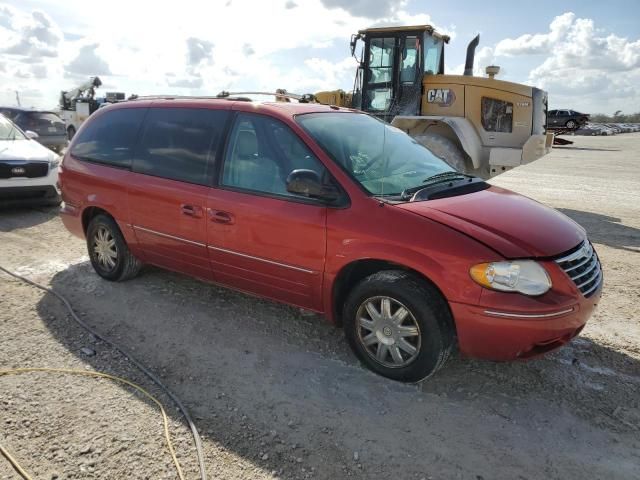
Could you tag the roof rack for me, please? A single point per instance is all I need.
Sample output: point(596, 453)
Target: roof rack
point(224, 95)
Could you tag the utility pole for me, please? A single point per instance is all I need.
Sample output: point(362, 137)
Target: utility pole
point(18, 98)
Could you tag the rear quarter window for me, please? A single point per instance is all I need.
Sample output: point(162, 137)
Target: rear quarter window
point(109, 138)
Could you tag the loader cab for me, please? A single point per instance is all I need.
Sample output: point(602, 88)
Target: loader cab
point(393, 62)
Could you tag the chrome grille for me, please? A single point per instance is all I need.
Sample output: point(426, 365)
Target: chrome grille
point(583, 267)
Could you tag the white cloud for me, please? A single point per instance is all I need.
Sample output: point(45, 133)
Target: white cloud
point(29, 38)
point(227, 45)
point(88, 62)
point(582, 67)
point(539, 43)
point(198, 51)
point(367, 8)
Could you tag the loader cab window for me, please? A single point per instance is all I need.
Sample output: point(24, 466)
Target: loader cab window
point(409, 66)
point(433, 48)
point(380, 74)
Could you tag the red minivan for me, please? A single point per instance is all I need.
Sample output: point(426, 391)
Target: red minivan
point(334, 211)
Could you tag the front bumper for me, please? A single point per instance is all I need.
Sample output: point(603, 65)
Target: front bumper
point(495, 333)
point(33, 195)
point(19, 191)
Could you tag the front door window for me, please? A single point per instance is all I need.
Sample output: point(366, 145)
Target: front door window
point(262, 152)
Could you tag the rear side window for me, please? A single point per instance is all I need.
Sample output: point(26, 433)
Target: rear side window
point(180, 143)
point(110, 138)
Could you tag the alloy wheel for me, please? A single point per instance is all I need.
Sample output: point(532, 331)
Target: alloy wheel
point(104, 248)
point(388, 331)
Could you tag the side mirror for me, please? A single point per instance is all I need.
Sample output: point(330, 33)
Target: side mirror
point(308, 183)
point(31, 135)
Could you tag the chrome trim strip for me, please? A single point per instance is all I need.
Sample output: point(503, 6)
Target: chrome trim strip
point(595, 277)
point(593, 287)
point(586, 260)
point(577, 254)
point(304, 270)
point(165, 235)
point(532, 315)
point(593, 265)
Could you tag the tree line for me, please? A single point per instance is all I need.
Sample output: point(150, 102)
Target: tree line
point(617, 117)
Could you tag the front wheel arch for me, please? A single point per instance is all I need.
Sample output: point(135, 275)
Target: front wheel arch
point(352, 273)
point(430, 324)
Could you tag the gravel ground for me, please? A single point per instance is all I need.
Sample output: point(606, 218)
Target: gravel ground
point(275, 391)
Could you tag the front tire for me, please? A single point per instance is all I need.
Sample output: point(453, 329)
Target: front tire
point(399, 326)
point(108, 251)
point(571, 124)
point(71, 131)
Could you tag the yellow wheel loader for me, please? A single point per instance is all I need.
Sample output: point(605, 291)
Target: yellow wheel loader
point(479, 125)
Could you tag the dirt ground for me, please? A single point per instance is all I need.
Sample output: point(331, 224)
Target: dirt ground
point(276, 392)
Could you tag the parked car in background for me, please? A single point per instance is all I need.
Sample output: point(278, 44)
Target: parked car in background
point(566, 119)
point(28, 170)
point(615, 127)
point(588, 130)
point(334, 211)
point(47, 124)
point(605, 129)
point(626, 128)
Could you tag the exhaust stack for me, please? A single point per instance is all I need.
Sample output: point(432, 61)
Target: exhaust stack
point(471, 53)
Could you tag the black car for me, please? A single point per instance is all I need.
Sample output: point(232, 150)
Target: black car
point(48, 125)
point(566, 119)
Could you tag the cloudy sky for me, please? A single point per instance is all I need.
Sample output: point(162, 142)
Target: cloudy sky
point(586, 54)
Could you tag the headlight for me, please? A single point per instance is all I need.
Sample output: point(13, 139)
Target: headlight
point(54, 162)
point(523, 276)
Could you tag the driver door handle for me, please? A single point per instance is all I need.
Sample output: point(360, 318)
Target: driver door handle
point(191, 210)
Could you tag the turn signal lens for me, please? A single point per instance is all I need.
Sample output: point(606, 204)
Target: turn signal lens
point(524, 276)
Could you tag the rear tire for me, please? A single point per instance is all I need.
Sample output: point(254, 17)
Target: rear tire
point(408, 345)
point(444, 148)
point(108, 251)
point(571, 124)
point(71, 131)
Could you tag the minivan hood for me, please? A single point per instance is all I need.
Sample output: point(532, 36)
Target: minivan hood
point(513, 225)
point(24, 150)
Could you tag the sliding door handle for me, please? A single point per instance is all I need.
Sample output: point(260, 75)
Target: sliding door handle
point(219, 216)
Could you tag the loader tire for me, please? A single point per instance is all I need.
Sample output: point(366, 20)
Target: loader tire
point(445, 149)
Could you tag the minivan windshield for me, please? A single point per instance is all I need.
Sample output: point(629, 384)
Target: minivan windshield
point(8, 130)
point(383, 159)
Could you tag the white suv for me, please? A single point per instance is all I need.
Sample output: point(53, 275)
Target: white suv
point(28, 171)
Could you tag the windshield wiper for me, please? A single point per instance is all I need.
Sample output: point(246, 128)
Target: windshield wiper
point(443, 177)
